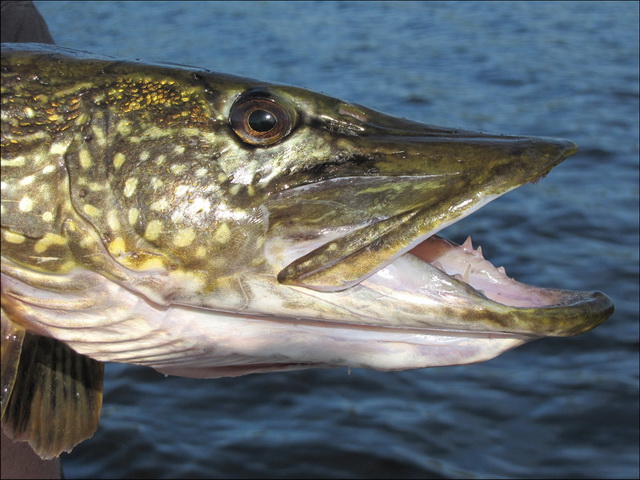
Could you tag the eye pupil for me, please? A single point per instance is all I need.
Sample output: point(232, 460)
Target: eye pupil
point(262, 121)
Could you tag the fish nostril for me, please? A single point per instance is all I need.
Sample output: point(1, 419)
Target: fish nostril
point(350, 110)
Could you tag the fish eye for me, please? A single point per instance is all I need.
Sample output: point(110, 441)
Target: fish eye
point(260, 121)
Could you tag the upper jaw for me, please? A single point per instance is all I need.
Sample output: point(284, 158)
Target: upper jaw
point(400, 183)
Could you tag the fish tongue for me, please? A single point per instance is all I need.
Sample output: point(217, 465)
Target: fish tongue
point(433, 248)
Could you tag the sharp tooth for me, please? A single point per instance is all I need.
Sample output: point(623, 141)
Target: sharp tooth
point(502, 271)
point(467, 274)
point(478, 252)
point(467, 246)
point(438, 265)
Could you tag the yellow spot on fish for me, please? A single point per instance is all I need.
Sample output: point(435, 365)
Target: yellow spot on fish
point(91, 210)
point(144, 156)
point(47, 216)
point(13, 162)
point(124, 128)
point(151, 263)
point(201, 172)
point(201, 252)
point(25, 205)
point(181, 190)
point(48, 169)
point(153, 230)
point(156, 182)
point(160, 160)
point(179, 149)
point(49, 240)
point(156, 132)
point(58, 148)
point(159, 205)
point(27, 180)
point(85, 158)
point(66, 266)
point(184, 237)
point(98, 135)
point(133, 215)
point(117, 247)
point(223, 234)
point(198, 205)
point(177, 169)
point(82, 119)
point(118, 160)
point(97, 187)
point(130, 187)
point(112, 220)
point(13, 237)
point(88, 241)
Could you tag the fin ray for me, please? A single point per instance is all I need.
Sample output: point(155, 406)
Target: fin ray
point(55, 396)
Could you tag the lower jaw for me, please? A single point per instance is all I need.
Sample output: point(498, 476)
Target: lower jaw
point(293, 347)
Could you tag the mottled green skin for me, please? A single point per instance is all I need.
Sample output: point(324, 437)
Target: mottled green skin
point(144, 220)
point(103, 142)
point(134, 171)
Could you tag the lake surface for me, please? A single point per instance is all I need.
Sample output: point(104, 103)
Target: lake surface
point(553, 408)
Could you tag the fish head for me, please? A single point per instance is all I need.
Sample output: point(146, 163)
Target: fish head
point(208, 225)
point(268, 227)
point(326, 210)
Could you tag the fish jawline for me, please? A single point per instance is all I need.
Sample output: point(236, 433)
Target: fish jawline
point(466, 264)
point(202, 343)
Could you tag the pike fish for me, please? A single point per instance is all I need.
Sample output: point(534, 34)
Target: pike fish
point(209, 225)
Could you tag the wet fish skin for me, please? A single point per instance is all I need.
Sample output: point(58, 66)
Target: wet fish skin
point(137, 173)
point(208, 225)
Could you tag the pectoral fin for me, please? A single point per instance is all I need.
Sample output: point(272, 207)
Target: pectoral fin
point(12, 338)
point(51, 395)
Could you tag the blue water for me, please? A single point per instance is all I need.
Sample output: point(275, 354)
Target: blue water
point(553, 408)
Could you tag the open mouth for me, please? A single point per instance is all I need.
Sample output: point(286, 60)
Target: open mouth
point(440, 272)
point(466, 264)
point(425, 273)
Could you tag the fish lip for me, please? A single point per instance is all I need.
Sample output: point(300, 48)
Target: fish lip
point(547, 312)
point(507, 305)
